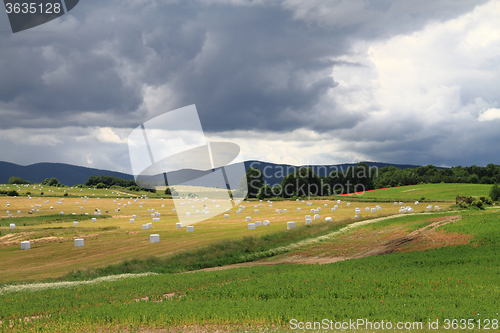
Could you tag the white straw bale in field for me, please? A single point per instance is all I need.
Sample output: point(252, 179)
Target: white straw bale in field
point(251, 226)
point(207, 212)
point(94, 219)
point(374, 210)
point(326, 205)
point(338, 202)
point(188, 214)
point(132, 220)
point(75, 223)
point(154, 238)
point(156, 219)
point(395, 203)
point(256, 211)
point(333, 209)
point(328, 219)
point(79, 242)
point(367, 209)
point(249, 218)
point(258, 223)
point(284, 210)
point(226, 216)
point(348, 204)
point(190, 228)
point(150, 225)
point(178, 225)
point(316, 216)
point(266, 223)
point(290, 225)
point(26, 245)
point(401, 203)
point(13, 226)
point(278, 210)
point(416, 202)
point(62, 213)
point(298, 209)
point(309, 221)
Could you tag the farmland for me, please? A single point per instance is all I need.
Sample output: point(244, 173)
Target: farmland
point(430, 192)
point(430, 281)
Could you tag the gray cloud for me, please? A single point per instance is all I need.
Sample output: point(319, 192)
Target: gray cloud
point(247, 65)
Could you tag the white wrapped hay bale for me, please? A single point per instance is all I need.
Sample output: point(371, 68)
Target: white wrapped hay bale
point(238, 211)
point(251, 226)
point(416, 202)
point(226, 216)
point(134, 216)
point(336, 206)
point(188, 214)
point(190, 228)
point(154, 238)
point(258, 223)
point(290, 225)
point(325, 205)
point(285, 210)
point(333, 209)
point(156, 219)
point(132, 220)
point(178, 225)
point(270, 206)
point(374, 210)
point(207, 212)
point(94, 219)
point(328, 219)
point(367, 209)
point(338, 202)
point(309, 221)
point(437, 208)
point(429, 207)
point(278, 210)
point(79, 242)
point(150, 225)
point(75, 223)
point(265, 223)
point(158, 214)
point(256, 211)
point(348, 204)
point(13, 226)
point(26, 245)
point(62, 213)
point(401, 203)
point(249, 218)
point(153, 215)
point(316, 216)
point(228, 210)
point(298, 209)
point(395, 203)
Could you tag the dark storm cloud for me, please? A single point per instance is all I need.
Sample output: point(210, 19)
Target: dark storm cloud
point(260, 66)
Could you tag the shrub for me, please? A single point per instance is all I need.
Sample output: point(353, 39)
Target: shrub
point(495, 192)
point(18, 180)
point(477, 203)
point(65, 194)
point(12, 193)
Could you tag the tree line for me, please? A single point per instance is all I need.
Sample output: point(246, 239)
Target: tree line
point(305, 182)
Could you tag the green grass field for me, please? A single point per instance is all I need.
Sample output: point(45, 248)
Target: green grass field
point(429, 283)
point(430, 192)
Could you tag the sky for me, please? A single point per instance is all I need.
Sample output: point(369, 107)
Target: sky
point(289, 81)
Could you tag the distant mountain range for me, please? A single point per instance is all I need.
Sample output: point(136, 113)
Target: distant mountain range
point(71, 174)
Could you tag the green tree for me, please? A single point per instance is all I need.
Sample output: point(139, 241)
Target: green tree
point(495, 192)
point(54, 182)
point(250, 183)
point(18, 180)
point(265, 192)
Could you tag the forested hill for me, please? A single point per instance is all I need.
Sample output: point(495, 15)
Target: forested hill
point(71, 174)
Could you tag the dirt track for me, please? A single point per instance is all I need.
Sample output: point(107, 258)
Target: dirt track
point(422, 238)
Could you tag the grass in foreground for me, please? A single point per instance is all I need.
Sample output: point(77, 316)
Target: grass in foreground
point(460, 282)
